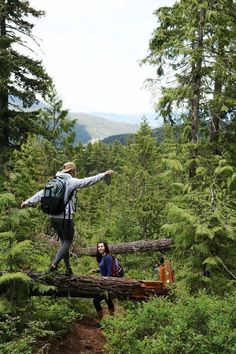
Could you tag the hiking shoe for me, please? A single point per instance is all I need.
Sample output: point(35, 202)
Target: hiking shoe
point(52, 268)
point(69, 272)
point(100, 325)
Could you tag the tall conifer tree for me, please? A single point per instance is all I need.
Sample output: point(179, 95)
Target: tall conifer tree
point(21, 77)
point(197, 41)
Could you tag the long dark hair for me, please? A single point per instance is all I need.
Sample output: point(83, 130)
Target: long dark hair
point(98, 255)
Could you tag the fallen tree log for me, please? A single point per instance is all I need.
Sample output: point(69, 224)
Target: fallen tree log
point(128, 247)
point(89, 286)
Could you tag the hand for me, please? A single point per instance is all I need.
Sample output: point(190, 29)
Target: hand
point(108, 173)
point(23, 205)
point(107, 176)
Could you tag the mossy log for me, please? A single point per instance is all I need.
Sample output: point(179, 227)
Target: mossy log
point(90, 286)
point(128, 247)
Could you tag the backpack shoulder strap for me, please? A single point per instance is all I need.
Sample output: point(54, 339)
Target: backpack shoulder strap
point(106, 261)
point(64, 179)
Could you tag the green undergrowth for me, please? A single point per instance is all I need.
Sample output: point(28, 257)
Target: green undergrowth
point(24, 323)
point(200, 324)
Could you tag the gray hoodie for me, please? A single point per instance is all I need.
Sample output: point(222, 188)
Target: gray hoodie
point(72, 184)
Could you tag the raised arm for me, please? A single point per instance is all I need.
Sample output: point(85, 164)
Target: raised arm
point(88, 181)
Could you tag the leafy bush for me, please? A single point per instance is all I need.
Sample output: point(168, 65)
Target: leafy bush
point(57, 313)
point(15, 339)
point(202, 324)
point(23, 325)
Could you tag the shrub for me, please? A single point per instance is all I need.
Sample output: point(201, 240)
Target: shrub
point(201, 324)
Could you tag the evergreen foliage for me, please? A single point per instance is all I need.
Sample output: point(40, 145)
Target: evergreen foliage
point(203, 324)
point(122, 138)
point(57, 127)
point(197, 41)
point(151, 194)
point(21, 76)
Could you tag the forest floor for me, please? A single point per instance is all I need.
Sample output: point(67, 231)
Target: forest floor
point(84, 338)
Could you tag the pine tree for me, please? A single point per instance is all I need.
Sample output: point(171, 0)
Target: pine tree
point(139, 206)
point(57, 127)
point(21, 76)
point(194, 43)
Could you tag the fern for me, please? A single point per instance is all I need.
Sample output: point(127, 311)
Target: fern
point(5, 306)
point(200, 170)
point(43, 289)
point(174, 164)
point(170, 229)
point(179, 214)
point(8, 278)
point(177, 187)
point(19, 248)
point(231, 183)
point(201, 248)
point(230, 232)
point(211, 261)
point(18, 216)
point(7, 235)
point(224, 171)
point(6, 199)
point(15, 285)
point(203, 229)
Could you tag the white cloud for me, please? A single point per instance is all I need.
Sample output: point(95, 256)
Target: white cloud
point(92, 49)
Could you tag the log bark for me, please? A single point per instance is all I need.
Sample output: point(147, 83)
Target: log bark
point(128, 247)
point(90, 286)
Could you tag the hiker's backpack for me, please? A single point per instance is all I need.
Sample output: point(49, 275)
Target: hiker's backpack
point(117, 269)
point(52, 201)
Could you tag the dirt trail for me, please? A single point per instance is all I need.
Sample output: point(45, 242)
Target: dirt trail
point(84, 338)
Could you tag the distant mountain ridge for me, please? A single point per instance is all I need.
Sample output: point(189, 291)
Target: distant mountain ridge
point(96, 126)
point(124, 139)
point(91, 128)
point(153, 118)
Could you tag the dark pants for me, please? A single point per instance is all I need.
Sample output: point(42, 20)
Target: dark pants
point(97, 302)
point(65, 231)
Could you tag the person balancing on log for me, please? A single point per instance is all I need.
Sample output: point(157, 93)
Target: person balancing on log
point(58, 199)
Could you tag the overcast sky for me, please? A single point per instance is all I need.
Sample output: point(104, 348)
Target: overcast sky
point(92, 49)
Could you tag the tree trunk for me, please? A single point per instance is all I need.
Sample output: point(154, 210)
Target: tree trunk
point(88, 287)
point(196, 90)
point(216, 114)
point(4, 76)
point(130, 247)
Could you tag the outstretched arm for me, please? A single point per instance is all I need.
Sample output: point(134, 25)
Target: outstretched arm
point(88, 181)
point(33, 200)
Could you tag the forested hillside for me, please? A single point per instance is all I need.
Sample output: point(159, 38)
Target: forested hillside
point(181, 186)
point(89, 128)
